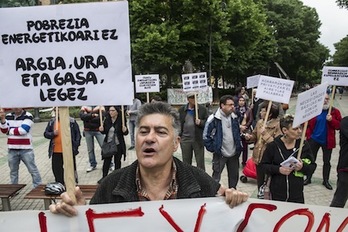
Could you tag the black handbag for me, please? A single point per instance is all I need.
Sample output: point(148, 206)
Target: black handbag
point(109, 148)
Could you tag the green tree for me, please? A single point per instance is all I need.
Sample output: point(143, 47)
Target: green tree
point(296, 30)
point(252, 45)
point(165, 34)
point(340, 58)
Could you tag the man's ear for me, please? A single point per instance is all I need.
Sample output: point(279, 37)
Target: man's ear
point(176, 143)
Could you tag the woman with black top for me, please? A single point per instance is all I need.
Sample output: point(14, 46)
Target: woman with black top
point(287, 180)
point(113, 124)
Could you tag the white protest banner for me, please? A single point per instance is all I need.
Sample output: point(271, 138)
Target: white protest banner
point(309, 104)
point(65, 55)
point(194, 81)
point(199, 215)
point(335, 75)
point(274, 89)
point(147, 83)
point(253, 81)
point(178, 96)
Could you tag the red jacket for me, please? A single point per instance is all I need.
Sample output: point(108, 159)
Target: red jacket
point(333, 125)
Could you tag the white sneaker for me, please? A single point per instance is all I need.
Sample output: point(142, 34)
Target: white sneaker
point(89, 169)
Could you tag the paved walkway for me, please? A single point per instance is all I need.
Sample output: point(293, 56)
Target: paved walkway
point(315, 193)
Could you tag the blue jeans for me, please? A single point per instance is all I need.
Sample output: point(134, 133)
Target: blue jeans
point(89, 135)
point(15, 156)
point(132, 124)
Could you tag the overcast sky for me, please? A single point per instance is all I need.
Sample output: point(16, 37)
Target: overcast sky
point(334, 21)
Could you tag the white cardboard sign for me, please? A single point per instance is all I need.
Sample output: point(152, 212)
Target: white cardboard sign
point(194, 81)
point(147, 83)
point(274, 89)
point(335, 75)
point(253, 81)
point(65, 55)
point(309, 104)
point(199, 215)
point(178, 96)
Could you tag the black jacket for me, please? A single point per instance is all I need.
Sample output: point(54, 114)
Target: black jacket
point(342, 165)
point(75, 136)
point(120, 186)
point(121, 147)
point(286, 188)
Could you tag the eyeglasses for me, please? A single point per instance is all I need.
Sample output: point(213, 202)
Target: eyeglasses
point(231, 104)
point(112, 110)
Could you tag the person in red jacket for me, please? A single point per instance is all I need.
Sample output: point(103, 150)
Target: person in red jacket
point(321, 134)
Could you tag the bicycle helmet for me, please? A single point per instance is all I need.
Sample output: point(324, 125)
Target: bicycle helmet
point(54, 188)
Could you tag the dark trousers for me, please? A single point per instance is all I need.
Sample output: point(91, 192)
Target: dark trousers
point(244, 151)
point(187, 149)
point(107, 163)
point(58, 168)
point(341, 194)
point(232, 164)
point(326, 158)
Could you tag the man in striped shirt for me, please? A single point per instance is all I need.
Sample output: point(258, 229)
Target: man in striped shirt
point(16, 126)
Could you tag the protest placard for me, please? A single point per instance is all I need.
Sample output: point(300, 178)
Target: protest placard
point(335, 75)
point(274, 89)
point(199, 215)
point(147, 83)
point(309, 104)
point(194, 81)
point(253, 81)
point(65, 55)
point(178, 96)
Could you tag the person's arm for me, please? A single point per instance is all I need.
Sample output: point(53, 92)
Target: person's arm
point(334, 119)
point(49, 131)
point(203, 116)
point(208, 137)
point(3, 125)
point(232, 196)
point(66, 204)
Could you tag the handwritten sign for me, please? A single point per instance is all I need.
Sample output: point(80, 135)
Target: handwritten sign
point(253, 81)
point(200, 215)
point(147, 83)
point(335, 75)
point(309, 104)
point(65, 55)
point(194, 81)
point(178, 96)
point(274, 89)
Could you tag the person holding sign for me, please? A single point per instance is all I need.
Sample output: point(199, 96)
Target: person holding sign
point(321, 134)
point(113, 129)
point(132, 112)
point(91, 122)
point(156, 174)
point(55, 149)
point(262, 136)
point(16, 126)
point(279, 161)
point(191, 132)
point(341, 194)
point(221, 136)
